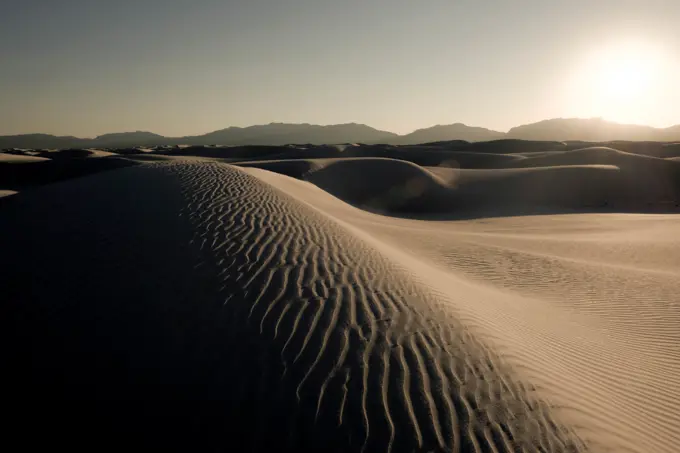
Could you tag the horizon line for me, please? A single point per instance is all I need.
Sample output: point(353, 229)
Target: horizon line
point(352, 123)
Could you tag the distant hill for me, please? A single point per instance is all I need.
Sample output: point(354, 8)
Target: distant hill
point(559, 129)
point(283, 134)
point(128, 139)
point(36, 141)
point(124, 139)
point(591, 130)
point(269, 134)
point(457, 131)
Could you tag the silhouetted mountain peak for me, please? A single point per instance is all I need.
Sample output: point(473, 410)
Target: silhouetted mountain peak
point(590, 129)
point(278, 133)
point(445, 132)
point(136, 134)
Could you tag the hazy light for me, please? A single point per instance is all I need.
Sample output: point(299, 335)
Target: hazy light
point(621, 81)
point(626, 73)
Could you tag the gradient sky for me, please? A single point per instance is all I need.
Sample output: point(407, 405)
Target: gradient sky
point(179, 67)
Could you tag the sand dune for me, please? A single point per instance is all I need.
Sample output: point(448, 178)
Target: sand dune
point(75, 153)
point(652, 149)
point(295, 168)
point(467, 155)
point(583, 305)
point(19, 158)
point(300, 329)
point(18, 172)
point(304, 304)
point(671, 150)
point(591, 155)
point(397, 187)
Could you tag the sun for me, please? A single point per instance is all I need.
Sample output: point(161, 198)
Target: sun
point(619, 81)
point(623, 76)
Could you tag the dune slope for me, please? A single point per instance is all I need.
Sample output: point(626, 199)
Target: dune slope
point(583, 306)
point(193, 305)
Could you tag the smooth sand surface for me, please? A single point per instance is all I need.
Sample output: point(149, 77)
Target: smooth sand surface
point(7, 193)
point(398, 187)
point(332, 305)
point(6, 158)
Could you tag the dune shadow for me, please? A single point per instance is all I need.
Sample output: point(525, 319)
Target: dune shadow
point(19, 176)
point(402, 189)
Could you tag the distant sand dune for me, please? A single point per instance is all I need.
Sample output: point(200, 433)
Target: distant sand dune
point(464, 154)
point(593, 155)
point(295, 168)
point(398, 187)
point(671, 150)
point(653, 149)
point(58, 154)
point(6, 158)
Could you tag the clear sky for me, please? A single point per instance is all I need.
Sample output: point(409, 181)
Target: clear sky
point(179, 67)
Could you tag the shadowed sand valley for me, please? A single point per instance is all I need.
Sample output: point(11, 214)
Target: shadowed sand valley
point(504, 296)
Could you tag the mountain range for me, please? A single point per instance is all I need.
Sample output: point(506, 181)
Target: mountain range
point(558, 129)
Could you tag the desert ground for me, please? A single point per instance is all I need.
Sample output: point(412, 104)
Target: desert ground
point(505, 296)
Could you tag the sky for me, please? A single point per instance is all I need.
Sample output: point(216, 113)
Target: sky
point(182, 67)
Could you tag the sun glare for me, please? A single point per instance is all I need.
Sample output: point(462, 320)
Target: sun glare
point(620, 82)
point(623, 76)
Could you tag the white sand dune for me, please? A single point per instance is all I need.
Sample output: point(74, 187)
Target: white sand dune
point(398, 187)
point(670, 150)
point(193, 305)
point(6, 158)
point(7, 193)
point(590, 155)
point(585, 306)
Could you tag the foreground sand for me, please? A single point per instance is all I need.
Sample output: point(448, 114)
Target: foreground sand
point(193, 305)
